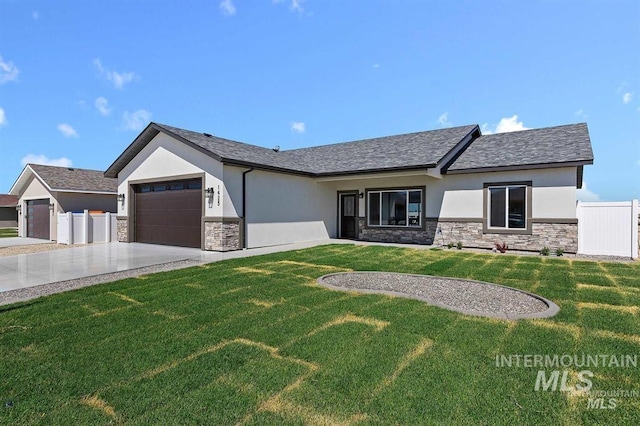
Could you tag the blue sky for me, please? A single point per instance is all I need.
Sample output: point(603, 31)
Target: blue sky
point(80, 79)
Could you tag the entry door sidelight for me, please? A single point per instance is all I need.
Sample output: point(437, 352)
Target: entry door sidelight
point(348, 217)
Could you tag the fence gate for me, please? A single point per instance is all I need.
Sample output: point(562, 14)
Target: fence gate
point(85, 228)
point(608, 228)
point(63, 229)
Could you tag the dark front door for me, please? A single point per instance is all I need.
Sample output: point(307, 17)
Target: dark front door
point(348, 216)
point(169, 213)
point(38, 219)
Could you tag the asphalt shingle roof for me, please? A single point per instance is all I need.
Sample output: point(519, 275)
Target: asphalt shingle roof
point(413, 150)
point(73, 179)
point(225, 149)
point(550, 145)
point(8, 200)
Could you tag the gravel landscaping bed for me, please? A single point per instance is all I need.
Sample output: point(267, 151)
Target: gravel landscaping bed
point(466, 296)
point(33, 248)
point(28, 293)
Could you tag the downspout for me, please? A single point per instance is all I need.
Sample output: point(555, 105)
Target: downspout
point(244, 207)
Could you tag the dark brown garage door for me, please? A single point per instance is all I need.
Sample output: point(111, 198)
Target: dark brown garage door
point(169, 213)
point(38, 219)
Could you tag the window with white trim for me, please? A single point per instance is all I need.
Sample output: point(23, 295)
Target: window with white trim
point(508, 207)
point(397, 207)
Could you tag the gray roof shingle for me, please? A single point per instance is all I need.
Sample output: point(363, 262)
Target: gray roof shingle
point(412, 150)
point(225, 149)
point(407, 151)
point(553, 145)
point(548, 146)
point(7, 200)
point(74, 179)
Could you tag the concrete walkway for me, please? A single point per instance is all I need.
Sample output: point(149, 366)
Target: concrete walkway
point(28, 270)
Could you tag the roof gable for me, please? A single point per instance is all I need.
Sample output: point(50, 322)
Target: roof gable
point(454, 150)
point(66, 179)
point(407, 151)
point(546, 147)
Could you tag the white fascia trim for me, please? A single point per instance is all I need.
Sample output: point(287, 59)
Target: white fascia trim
point(20, 181)
point(74, 191)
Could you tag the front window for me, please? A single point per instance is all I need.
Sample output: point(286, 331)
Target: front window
point(400, 207)
point(507, 207)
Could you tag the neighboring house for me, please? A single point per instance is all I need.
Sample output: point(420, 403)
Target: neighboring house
point(185, 188)
point(8, 212)
point(44, 191)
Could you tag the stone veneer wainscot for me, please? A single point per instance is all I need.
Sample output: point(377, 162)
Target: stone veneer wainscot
point(222, 235)
point(550, 234)
point(122, 224)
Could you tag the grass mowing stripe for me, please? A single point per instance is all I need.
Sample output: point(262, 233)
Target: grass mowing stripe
point(377, 359)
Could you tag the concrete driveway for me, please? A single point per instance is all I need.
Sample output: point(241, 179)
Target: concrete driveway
point(21, 241)
point(28, 270)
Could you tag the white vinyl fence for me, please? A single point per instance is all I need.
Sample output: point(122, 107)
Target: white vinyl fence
point(85, 228)
point(608, 228)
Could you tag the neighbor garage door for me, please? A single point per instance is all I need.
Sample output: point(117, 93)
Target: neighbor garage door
point(169, 213)
point(38, 219)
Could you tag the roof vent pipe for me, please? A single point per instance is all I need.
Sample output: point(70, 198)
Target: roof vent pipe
point(276, 148)
point(207, 134)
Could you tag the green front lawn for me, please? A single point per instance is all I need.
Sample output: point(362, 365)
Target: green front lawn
point(256, 341)
point(8, 232)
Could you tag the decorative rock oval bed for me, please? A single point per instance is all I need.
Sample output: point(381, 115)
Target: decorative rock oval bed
point(460, 295)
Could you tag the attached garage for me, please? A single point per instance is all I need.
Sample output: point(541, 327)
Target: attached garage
point(169, 213)
point(38, 219)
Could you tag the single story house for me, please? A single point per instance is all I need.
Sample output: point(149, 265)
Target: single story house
point(44, 191)
point(8, 212)
point(186, 188)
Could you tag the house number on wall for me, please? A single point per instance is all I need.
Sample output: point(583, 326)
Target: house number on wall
point(218, 195)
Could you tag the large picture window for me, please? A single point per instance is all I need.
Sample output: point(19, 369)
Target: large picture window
point(398, 207)
point(508, 207)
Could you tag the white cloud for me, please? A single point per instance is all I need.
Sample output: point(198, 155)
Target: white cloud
point(227, 7)
point(3, 118)
point(67, 131)
point(102, 105)
point(584, 194)
point(296, 5)
point(627, 97)
point(135, 120)
point(506, 124)
point(510, 124)
point(118, 79)
point(98, 64)
point(580, 114)
point(443, 120)
point(43, 159)
point(8, 71)
point(298, 127)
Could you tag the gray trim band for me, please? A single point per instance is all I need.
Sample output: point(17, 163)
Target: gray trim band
point(568, 221)
point(221, 219)
point(456, 219)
